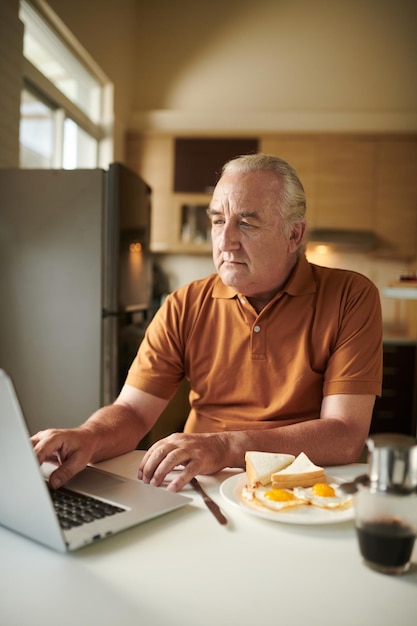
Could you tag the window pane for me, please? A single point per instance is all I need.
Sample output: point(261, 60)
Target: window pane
point(36, 134)
point(53, 59)
point(80, 149)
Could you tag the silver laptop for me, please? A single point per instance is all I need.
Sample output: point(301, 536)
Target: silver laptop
point(105, 503)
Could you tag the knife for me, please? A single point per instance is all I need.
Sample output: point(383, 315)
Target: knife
point(210, 504)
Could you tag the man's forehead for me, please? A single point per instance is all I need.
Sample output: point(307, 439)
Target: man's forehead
point(244, 185)
point(242, 203)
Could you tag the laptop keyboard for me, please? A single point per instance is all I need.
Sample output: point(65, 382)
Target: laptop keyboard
point(74, 509)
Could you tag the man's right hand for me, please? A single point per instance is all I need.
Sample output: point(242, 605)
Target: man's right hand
point(70, 449)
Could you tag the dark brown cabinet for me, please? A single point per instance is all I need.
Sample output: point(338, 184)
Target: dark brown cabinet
point(395, 410)
point(198, 161)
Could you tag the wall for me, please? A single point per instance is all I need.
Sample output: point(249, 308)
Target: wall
point(270, 64)
point(11, 42)
point(278, 64)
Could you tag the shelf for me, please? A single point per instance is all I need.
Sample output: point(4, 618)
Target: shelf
point(401, 293)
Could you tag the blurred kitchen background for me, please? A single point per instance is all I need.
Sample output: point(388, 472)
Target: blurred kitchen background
point(172, 89)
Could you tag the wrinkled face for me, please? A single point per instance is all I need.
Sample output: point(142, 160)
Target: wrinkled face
point(251, 251)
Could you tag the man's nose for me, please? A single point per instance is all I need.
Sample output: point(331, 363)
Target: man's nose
point(229, 238)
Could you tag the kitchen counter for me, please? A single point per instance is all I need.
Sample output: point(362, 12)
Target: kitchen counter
point(402, 340)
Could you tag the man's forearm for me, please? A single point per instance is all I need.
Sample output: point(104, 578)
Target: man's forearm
point(325, 441)
point(116, 429)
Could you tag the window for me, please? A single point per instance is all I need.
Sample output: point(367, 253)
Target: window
point(36, 132)
point(66, 102)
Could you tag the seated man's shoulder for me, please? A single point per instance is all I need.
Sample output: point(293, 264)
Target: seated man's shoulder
point(339, 276)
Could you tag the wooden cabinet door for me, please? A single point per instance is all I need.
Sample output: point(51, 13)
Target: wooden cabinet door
point(301, 153)
point(198, 160)
point(345, 183)
point(396, 197)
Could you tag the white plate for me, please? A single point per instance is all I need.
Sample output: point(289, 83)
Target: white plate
point(231, 490)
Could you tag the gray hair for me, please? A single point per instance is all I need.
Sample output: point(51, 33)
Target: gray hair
point(292, 200)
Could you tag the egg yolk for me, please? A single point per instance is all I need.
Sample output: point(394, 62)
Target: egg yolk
point(279, 495)
point(323, 490)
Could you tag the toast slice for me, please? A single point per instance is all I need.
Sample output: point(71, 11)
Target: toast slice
point(261, 465)
point(301, 473)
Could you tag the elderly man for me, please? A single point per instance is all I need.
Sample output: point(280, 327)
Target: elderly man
point(281, 355)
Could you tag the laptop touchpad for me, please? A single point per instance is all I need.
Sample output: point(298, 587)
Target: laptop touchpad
point(94, 481)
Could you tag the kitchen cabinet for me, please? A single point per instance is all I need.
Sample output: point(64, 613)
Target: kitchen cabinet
point(396, 197)
point(301, 153)
point(345, 184)
point(154, 156)
point(337, 173)
point(197, 165)
point(195, 227)
point(395, 411)
point(359, 182)
point(199, 160)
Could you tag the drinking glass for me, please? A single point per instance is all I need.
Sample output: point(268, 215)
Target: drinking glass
point(386, 526)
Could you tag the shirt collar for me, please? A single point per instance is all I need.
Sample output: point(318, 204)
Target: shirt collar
point(299, 283)
point(301, 280)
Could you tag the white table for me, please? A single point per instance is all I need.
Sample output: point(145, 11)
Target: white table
point(185, 569)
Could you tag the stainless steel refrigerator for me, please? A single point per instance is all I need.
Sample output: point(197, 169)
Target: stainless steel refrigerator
point(75, 286)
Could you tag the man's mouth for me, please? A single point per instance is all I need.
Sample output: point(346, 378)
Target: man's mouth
point(232, 262)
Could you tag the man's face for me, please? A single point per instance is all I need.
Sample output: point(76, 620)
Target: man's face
point(251, 251)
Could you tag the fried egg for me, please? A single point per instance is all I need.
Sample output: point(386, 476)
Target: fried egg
point(324, 495)
point(277, 499)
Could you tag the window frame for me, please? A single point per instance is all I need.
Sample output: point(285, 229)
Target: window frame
point(42, 87)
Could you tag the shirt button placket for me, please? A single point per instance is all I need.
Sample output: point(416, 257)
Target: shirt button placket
point(258, 342)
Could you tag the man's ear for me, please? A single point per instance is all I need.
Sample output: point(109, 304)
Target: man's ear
point(297, 232)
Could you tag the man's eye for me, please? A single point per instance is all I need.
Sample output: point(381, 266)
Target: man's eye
point(217, 221)
point(246, 224)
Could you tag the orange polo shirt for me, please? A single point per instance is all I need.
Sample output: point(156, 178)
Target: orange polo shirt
point(320, 335)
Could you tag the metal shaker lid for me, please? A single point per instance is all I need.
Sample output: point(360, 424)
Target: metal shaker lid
point(392, 463)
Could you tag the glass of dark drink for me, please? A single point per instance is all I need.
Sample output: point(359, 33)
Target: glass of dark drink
point(386, 526)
